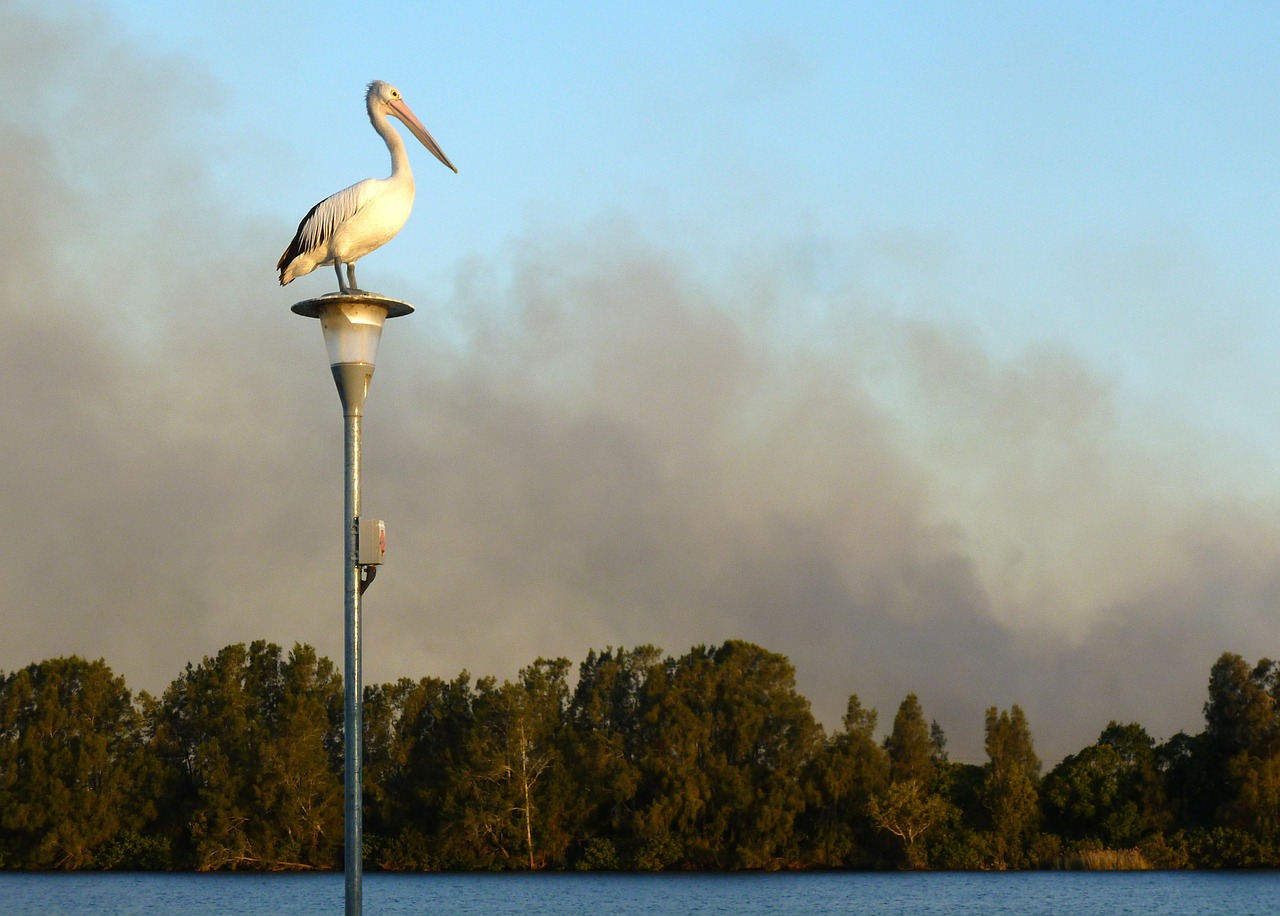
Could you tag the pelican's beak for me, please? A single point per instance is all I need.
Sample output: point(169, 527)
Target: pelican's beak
point(401, 111)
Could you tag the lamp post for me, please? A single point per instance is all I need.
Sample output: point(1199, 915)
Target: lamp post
point(352, 325)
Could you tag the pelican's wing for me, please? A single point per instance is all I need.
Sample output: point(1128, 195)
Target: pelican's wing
point(323, 220)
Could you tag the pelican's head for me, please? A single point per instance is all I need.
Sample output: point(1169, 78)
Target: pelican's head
point(385, 99)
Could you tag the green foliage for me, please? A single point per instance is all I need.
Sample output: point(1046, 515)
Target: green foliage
point(1189, 773)
point(707, 760)
point(910, 745)
point(1229, 847)
point(1240, 712)
point(906, 808)
point(839, 781)
point(956, 841)
point(1110, 792)
point(727, 740)
point(132, 851)
point(515, 753)
point(1166, 851)
point(418, 774)
point(248, 739)
point(1009, 791)
point(658, 852)
point(599, 854)
point(915, 801)
point(73, 777)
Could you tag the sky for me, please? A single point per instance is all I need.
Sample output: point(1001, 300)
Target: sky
point(932, 346)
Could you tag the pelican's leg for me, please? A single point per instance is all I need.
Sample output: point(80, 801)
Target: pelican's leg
point(351, 278)
point(337, 269)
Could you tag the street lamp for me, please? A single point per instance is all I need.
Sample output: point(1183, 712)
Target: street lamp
point(352, 325)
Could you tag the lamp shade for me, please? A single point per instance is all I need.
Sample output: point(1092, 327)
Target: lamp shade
point(352, 325)
point(352, 330)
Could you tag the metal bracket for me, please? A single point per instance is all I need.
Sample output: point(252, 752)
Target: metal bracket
point(367, 572)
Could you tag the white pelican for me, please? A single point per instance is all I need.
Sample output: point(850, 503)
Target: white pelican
point(345, 227)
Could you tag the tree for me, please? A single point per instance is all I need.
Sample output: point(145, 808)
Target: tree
point(727, 738)
point(383, 716)
point(906, 808)
point(1240, 713)
point(300, 757)
point(767, 734)
point(515, 742)
point(911, 803)
point(840, 781)
point(1109, 793)
point(251, 741)
point(708, 760)
point(910, 745)
point(605, 746)
point(1242, 741)
point(418, 775)
point(956, 841)
point(1190, 780)
point(1009, 789)
point(73, 776)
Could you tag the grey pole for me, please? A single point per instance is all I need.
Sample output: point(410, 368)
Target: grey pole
point(352, 325)
point(353, 678)
point(353, 385)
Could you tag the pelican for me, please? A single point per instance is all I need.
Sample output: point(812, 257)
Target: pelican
point(348, 225)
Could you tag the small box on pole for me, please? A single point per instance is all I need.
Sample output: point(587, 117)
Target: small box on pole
point(373, 541)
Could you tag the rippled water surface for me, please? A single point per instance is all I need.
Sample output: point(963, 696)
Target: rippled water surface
point(651, 895)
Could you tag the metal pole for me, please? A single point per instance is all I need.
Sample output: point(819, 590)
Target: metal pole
point(353, 724)
point(352, 325)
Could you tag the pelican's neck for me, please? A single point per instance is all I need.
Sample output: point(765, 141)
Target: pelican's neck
point(399, 156)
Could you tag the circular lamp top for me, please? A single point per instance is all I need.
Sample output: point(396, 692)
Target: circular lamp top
point(311, 308)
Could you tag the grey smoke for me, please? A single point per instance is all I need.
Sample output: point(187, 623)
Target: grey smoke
point(580, 442)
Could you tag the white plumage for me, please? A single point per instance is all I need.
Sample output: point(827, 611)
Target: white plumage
point(348, 225)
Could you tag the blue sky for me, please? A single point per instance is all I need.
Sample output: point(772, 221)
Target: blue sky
point(880, 334)
point(1037, 149)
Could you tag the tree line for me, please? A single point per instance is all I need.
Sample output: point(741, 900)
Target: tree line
point(710, 760)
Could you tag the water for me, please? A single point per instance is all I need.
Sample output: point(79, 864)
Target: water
point(1147, 893)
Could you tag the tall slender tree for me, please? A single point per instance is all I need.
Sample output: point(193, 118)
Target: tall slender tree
point(1242, 746)
point(910, 745)
point(841, 779)
point(1010, 792)
point(911, 804)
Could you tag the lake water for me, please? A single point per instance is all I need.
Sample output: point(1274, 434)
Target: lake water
point(1146, 893)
